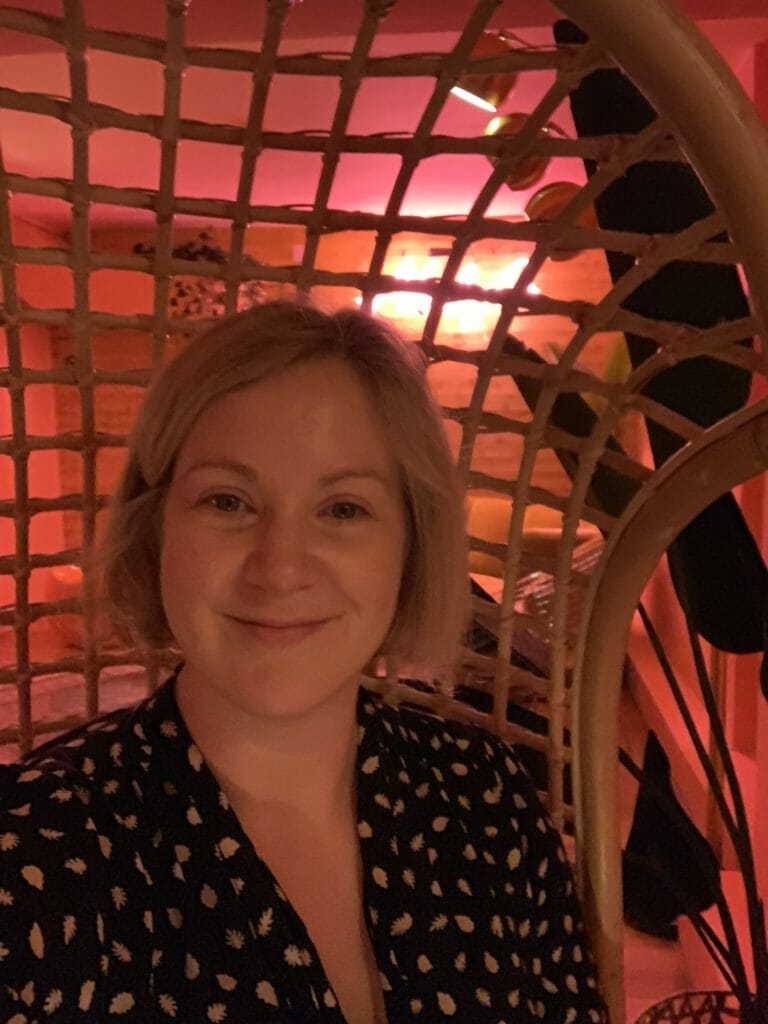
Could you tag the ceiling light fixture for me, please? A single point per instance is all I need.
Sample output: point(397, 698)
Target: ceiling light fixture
point(530, 168)
point(487, 90)
point(547, 205)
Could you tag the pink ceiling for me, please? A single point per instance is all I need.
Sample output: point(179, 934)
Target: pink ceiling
point(208, 21)
point(37, 146)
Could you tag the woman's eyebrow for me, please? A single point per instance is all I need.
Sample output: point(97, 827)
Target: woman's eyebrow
point(232, 465)
point(361, 472)
point(327, 479)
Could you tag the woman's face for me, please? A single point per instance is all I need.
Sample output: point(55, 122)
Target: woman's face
point(283, 541)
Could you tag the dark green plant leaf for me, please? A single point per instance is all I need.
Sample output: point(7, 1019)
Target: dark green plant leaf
point(669, 868)
point(717, 569)
point(717, 546)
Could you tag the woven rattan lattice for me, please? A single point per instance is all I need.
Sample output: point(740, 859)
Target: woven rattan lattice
point(112, 251)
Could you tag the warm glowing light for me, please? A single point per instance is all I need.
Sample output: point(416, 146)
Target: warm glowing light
point(469, 273)
point(470, 97)
point(406, 305)
point(433, 267)
point(508, 276)
point(407, 269)
point(469, 317)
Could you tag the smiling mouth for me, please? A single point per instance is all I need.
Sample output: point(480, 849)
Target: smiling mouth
point(279, 634)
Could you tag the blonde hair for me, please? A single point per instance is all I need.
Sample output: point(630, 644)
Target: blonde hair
point(247, 348)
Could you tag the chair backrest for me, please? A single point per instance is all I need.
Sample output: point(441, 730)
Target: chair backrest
point(105, 272)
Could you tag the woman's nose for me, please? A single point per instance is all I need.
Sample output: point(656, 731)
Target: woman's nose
point(278, 556)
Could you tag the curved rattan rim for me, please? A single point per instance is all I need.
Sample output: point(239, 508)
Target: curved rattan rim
point(738, 448)
point(683, 75)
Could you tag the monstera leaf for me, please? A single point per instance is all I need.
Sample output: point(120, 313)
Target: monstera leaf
point(669, 868)
point(716, 567)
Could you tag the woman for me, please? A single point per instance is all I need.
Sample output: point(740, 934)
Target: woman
point(264, 840)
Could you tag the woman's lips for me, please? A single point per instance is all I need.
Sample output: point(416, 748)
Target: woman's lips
point(279, 634)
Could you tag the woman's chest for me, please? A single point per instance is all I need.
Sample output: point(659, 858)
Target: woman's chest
point(256, 964)
point(248, 925)
point(282, 934)
point(233, 941)
point(323, 882)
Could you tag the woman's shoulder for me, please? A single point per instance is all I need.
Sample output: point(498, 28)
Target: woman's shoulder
point(49, 824)
point(73, 785)
point(63, 866)
point(448, 741)
point(74, 758)
point(440, 764)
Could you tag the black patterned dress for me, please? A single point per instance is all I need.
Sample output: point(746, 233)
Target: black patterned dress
point(129, 892)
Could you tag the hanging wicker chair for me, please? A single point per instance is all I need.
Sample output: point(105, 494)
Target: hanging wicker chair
point(574, 593)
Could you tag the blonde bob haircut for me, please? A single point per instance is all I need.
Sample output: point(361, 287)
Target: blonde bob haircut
point(240, 351)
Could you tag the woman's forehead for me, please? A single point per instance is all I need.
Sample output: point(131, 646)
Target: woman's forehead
point(317, 416)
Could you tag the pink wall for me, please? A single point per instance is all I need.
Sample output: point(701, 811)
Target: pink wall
point(760, 79)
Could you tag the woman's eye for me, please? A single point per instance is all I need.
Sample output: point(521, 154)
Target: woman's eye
point(346, 510)
point(225, 502)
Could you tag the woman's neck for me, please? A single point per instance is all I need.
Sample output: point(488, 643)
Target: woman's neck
point(299, 766)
